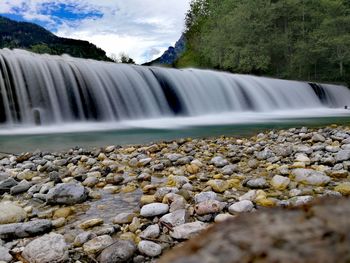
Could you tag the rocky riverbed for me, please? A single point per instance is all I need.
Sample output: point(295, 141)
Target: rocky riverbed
point(132, 203)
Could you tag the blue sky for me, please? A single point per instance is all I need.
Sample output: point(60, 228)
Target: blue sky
point(141, 28)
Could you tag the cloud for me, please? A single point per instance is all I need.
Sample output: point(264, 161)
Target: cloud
point(136, 27)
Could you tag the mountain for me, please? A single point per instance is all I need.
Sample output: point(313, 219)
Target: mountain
point(37, 39)
point(171, 55)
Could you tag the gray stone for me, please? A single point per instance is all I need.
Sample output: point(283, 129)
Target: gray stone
point(97, 244)
point(4, 176)
point(27, 229)
point(6, 185)
point(343, 155)
point(175, 218)
point(48, 248)
point(5, 254)
point(11, 213)
point(154, 209)
point(151, 231)
point(120, 251)
point(67, 194)
point(265, 154)
point(243, 206)
point(188, 230)
point(173, 157)
point(124, 218)
point(300, 200)
point(318, 138)
point(82, 238)
point(258, 183)
point(219, 161)
point(205, 196)
point(229, 169)
point(311, 177)
point(22, 187)
point(149, 248)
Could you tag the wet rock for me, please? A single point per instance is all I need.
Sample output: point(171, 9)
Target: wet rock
point(27, 229)
point(91, 223)
point(67, 194)
point(188, 230)
point(124, 218)
point(151, 231)
point(121, 251)
point(241, 207)
point(154, 209)
point(11, 213)
point(97, 244)
point(48, 248)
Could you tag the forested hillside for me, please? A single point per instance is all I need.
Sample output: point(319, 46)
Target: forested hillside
point(37, 39)
point(295, 39)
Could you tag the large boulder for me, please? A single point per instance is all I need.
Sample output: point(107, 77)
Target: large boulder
point(49, 248)
point(66, 194)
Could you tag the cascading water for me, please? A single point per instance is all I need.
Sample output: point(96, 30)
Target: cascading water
point(43, 89)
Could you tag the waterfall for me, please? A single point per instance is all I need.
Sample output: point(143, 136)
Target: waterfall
point(43, 89)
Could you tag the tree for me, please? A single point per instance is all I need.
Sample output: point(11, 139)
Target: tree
point(122, 58)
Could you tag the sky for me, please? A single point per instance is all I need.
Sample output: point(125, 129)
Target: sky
point(143, 29)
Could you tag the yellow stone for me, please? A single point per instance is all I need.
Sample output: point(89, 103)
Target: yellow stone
point(128, 189)
point(63, 212)
point(266, 202)
point(128, 236)
point(218, 186)
point(218, 176)
point(147, 199)
point(192, 168)
point(343, 188)
point(298, 165)
point(91, 223)
point(192, 177)
point(234, 183)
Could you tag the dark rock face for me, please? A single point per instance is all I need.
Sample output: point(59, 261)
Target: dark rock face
point(170, 55)
point(318, 233)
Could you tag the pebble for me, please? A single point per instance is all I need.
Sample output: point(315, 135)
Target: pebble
point(205, 196)
point(11, 213)
point(91, 223)
point(188, 230)
point(175, 218)
point(241, 207)
point(97, 244)
point(149, 248)
point(124, 218)
point(209, 207)
point(343, 188)
point(257, 183)
point(311, 177)
point(121, 251)
point(154, 209)
point(151, 231)
point(280, 182)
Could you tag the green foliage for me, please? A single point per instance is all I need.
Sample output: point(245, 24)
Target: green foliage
point(298, 39)
point(37, 39)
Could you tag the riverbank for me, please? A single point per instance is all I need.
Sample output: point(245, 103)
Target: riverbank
point(135, 202)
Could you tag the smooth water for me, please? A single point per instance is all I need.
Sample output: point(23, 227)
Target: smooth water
point(55, 102)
